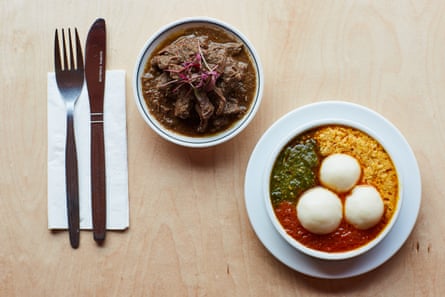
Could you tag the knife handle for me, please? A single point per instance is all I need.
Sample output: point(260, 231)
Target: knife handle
point(72, 182)
point(98, 183)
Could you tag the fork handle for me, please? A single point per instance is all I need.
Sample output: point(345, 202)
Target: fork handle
point(72, 182)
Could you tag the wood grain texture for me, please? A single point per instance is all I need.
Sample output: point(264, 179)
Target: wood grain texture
point(189, 231)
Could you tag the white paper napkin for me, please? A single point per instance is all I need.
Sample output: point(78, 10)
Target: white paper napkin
point(115, 133)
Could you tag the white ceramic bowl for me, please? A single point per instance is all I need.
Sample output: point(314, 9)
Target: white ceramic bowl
point(205, 141)
point(279, 228)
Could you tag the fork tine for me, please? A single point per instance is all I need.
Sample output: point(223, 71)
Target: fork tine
point(71, 50)
point(65, 58)
point(79, 52)
point(57, 63)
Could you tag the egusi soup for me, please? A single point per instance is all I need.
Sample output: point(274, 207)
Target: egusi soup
point(297, 170)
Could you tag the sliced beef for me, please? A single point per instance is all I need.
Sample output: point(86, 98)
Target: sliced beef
point(181, 50)
point(234, 72)
point(204, 108)
point(232, 107)
point(217, 54)
point(219, 99)
point(163, 62)
point(162, 81)
point(184, 104)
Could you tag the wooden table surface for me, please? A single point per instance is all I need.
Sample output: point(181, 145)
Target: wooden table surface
point(189, 233)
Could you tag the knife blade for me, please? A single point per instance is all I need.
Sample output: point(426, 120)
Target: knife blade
point(95, 56)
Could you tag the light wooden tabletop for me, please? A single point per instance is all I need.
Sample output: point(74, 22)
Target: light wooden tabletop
point(189, 233)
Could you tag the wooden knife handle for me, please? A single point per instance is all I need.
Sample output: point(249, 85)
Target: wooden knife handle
point(72, 182)
point(98, 179)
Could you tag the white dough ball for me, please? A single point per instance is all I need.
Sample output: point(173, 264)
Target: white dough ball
point(364, 207)
point(319, 210)
point(339, 172)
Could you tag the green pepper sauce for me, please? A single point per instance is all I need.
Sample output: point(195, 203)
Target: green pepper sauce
point(294, 171)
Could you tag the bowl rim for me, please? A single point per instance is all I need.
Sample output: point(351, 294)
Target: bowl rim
point(177, 138)
point(270, 160)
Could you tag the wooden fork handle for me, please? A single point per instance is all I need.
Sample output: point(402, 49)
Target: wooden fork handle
point(72, 183)
point(98, 179)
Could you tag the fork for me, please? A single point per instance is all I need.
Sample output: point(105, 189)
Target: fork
point(69, 78)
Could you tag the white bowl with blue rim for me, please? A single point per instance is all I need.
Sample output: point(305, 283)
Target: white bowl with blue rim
point(178, 138)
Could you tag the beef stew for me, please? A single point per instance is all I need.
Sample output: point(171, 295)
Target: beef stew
point(199, 81)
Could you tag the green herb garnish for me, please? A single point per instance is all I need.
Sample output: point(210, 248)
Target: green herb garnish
point(294, 171)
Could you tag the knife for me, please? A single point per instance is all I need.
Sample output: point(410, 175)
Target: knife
point(95, 54)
